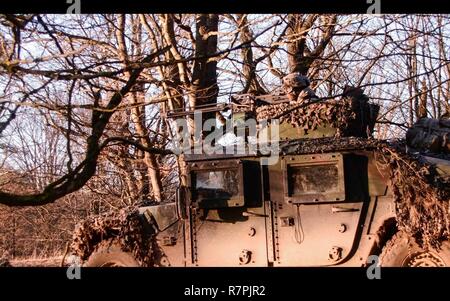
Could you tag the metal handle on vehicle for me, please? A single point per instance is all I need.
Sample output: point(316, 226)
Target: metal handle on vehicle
point(249, 213)
point(336, 209)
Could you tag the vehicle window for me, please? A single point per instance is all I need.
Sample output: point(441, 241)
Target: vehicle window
point(313, 179)
point(217, 184)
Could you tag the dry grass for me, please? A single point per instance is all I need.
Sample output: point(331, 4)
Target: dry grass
point(37, 262)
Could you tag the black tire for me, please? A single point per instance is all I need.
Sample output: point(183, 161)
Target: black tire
point(402, 251)
point(109, 254)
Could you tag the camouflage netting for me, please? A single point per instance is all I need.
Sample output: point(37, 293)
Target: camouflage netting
point(422, 196)
point(337, 113)
point(351, 115)
point(125, 226)
point(327, 145)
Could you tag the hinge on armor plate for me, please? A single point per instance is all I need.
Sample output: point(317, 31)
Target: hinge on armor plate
point(168, 240)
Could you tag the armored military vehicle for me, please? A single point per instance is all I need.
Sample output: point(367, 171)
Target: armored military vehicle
point(334, 197)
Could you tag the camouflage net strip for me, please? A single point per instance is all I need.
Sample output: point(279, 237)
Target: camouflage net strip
point(422, 196)
point(326, 145)
point(335, 113)
point(125, 226)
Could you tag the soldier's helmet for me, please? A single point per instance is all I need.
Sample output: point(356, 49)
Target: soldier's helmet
point(295, 81)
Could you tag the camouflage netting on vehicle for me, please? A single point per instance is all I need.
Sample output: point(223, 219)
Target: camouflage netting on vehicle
point(336, 113)
point(126, 226)
point(350, 115)
point(326, 145)
point(422, 196)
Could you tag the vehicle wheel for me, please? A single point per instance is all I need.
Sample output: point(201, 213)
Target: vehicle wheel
point(109, 254)
point(401, 251)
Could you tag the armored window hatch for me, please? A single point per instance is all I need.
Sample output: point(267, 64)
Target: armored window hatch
point(217, 184)
point(313, 178)
point(223, 184)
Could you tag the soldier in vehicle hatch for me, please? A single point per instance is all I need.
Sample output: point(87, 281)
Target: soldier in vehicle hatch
point(296, 87)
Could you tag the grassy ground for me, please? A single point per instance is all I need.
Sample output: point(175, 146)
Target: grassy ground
point(37, 262)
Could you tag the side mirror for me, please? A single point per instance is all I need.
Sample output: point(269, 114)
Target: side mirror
point(180, 199)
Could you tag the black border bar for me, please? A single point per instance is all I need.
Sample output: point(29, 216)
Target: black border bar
point(225, 6)
point(300, 283)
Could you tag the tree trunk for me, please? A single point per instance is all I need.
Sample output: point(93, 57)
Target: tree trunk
point(249, 65)
point(300, 57)
point(138, 119)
